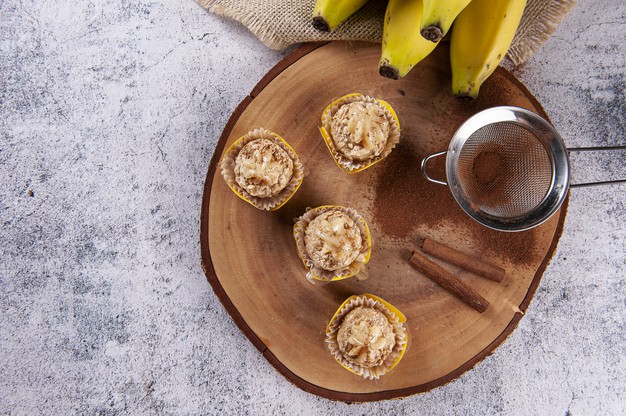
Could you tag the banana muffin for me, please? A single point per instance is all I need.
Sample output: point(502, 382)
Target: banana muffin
point(365, 337)
point(332, 240)
point(262, 168)
point(360, 130)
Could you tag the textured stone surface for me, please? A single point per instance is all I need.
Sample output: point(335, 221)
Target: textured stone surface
point(109, 114)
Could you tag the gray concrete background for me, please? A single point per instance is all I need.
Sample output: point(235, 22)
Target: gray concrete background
point(109, 114)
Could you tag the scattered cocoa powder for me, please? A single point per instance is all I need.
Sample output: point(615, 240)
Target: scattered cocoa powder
point(403, 192)
point(405, 200)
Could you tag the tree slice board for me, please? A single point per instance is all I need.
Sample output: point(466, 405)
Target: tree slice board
point(250, 258)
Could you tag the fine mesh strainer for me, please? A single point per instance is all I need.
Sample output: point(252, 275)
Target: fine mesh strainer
point(508, 168)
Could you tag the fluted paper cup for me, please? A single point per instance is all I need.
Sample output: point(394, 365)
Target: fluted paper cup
point(344, 163)
point(396, 319)
point(270, 203)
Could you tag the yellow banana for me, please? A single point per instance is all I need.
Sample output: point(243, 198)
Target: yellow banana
point(402, 45)
point(481, 36)
point(438, 17)
point(328, 14)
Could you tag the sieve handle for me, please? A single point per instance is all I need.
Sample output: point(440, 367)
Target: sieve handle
point(595, 149)
point(425, 161)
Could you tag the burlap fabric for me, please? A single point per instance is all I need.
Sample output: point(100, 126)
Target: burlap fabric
point(281, 23)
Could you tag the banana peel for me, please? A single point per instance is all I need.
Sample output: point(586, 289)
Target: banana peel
point(403, 46)
point(481, 37)
point(328, 14)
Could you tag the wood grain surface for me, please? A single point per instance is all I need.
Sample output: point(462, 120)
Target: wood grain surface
point(250, 256)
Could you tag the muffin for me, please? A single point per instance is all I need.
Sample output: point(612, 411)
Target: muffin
point(262, 169)
point(359, 131)
point(367, 336)
point(333, 242)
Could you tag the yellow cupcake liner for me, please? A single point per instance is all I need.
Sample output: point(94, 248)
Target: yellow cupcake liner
point(319, 275)
point(344, 163)
point(269, 203)
point(395, 317)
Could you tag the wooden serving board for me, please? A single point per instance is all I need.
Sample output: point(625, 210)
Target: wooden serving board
point(250, 257)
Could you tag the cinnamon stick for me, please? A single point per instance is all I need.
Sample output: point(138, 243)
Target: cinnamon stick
point(448, 281)
point(466, 261)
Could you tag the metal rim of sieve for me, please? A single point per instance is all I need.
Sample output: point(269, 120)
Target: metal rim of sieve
point(544, 132)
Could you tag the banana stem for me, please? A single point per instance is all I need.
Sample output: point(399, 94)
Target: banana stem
point(321, 24)
point(388, 71)
point(432, 33)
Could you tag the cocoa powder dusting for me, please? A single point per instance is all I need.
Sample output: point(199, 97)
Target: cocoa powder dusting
point(487, 167)
point(491, 182)
point(404, 200)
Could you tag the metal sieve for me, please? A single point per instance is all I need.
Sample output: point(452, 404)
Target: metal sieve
point(508, 168)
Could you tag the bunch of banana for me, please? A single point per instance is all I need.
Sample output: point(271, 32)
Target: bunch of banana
point(481, 36)
point(328, 14)
point(438, 16)
point(402, 46)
